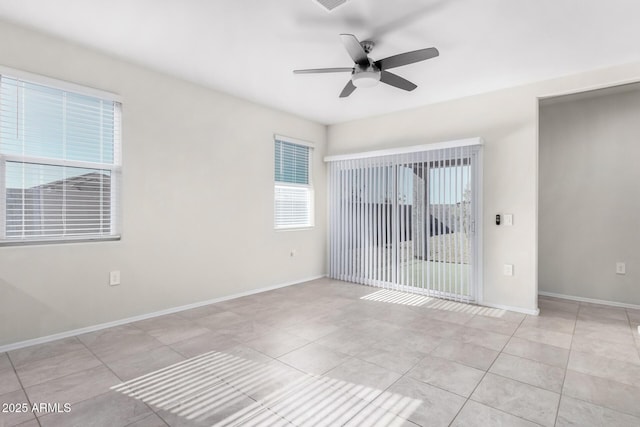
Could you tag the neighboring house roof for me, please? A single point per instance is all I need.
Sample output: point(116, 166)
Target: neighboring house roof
point(89, 180)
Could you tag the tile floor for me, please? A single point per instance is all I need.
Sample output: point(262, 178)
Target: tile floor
point(333, 353)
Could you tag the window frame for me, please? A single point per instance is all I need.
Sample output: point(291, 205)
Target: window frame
point(309, 186)
point(114, 168)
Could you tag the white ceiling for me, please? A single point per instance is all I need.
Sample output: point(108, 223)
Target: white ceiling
point(250, 47)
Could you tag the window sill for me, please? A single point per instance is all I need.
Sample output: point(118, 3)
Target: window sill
point(310, 227)
point(58, 241)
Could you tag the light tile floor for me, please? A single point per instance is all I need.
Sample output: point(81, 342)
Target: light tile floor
point(333, 353)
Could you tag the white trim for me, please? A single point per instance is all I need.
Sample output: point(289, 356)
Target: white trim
point(536, 217)
point(75, 238)
point(590, 300)
point(74, 332)
point(60, 162)
point(113, 166)
point(116, 175)
point(285, 185)
point(59, 84)
point(294, 228)
point(280, 184)
point(528, 311)
point(3, 196)
point(293, 140)
point(589, 88)
point(405, 150)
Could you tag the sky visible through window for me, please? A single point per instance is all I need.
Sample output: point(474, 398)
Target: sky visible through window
point(43, 122)
point(447, 185)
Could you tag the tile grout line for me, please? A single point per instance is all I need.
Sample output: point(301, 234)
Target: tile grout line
point(117, 376)
point(566, 368)
point(502, 351)
point(483, 377)
point(598, 377)
point(350, 357)
point(534, 360)
point(65, 376)
point(52, 379)
point(449, 360)
point(370, 403)
point(142, 419)
point(405, 374)
point(264, 404)
point(24, 391)
point(633, 332)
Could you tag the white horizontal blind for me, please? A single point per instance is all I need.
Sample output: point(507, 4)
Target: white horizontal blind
point(59, 163)
point(293, 190)
point(406, 221)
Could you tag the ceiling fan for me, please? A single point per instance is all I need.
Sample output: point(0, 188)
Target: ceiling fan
point(367, 72)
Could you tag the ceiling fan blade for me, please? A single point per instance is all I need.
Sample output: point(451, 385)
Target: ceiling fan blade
point(348, 90)
point(396, 81)
point(407, 58)
point(355, 49)
point(324, 70)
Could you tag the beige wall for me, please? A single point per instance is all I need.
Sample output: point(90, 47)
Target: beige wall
point(188, 147)
point(508, 122)
point(589, 195)
point(197, 202)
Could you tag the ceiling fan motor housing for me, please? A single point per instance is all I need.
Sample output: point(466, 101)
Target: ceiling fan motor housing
point(365, 75)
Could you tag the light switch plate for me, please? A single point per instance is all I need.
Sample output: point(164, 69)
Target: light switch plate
point(621, 268)
point(508, 269)
point(508, 219)
point(114, 278)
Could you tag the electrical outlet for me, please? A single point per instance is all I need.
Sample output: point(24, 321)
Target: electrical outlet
point(293, 252)
point(507, 269)
point(114, 277)
point(621, 268)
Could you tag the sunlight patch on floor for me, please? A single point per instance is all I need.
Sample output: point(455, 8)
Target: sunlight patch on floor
point(406, 298)
point(220, 389)
point(396, 297)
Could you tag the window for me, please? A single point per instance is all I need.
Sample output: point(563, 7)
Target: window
point(293, 189)
point(59, 161)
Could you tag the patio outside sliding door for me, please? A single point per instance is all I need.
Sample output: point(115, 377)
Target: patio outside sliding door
point(408, 221)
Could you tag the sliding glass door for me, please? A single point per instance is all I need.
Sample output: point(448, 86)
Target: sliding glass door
point(407, 221)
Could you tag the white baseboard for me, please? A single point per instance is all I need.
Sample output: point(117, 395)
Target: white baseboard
point(590, 300)
point(509, 308)
point(74, 332)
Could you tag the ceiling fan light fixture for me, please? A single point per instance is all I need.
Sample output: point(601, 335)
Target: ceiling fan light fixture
point(366, 78)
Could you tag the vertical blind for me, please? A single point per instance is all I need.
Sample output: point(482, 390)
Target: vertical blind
point(59, 163)
point(406, 221)
point(293, 191)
